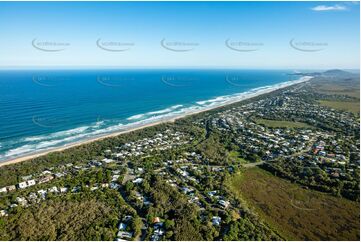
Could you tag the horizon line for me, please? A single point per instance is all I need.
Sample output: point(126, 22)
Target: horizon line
point(166, 67)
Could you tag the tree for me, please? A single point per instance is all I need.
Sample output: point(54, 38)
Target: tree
point(136, 225)
point(168, 224)
point(129, 186)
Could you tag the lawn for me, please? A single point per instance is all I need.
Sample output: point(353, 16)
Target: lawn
point(282, 124)
point(353, 107)
point(294, 212)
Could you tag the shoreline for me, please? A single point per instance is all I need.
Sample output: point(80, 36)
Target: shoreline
point(261, 91)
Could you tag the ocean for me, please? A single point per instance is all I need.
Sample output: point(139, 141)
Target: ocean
point(46, 109)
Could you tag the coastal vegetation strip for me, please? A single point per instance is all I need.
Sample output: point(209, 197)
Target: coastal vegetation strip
point(295, 212)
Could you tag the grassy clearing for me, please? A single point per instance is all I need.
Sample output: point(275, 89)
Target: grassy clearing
point(338, 90)
point(297, 213)
point(234, 156)
point(353, 107)
point(349, 87)
point(282, 124)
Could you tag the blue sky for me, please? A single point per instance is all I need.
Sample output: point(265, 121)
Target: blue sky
point(298, 35)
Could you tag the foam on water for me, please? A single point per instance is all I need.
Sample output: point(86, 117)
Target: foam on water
point(152, 113)
point(137, 116)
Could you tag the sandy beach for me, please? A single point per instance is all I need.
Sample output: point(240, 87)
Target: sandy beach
point(237, 98)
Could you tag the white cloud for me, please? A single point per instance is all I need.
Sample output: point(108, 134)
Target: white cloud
point(329, 8)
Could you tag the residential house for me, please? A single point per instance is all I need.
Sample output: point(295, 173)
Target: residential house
point(63, 189)
point(46, 179)
point(21, 201)
point(11, 188)
point(42, 193)
point(124, 235)
point(3, 213)
point(122, 226)
point(31, 183)
point(22, 185)
point(223, 203)
point(216, 221)
point(53, 190)
point(138, 180)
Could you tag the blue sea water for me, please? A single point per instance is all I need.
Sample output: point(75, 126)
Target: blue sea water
point(44, 109)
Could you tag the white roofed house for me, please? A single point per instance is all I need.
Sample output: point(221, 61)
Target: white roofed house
point(94, 188)
point(223, 203)
point(138, 180)
point(114, 185)
point(122, 226)
point(124, 235)
point(216, 220)
point(46, 172)
point(118, 155)
point(3, 213)
point(11, 188)
point(22, 185)
point(59, 174)
point(53, 189)
point(212, 193)
point(31, 183)
point(33, 197)
point(21, 201)
point(115, 177)
point(159, 232)
point(107, 161)
point(103, 185)
point(63, 189)
point(42, 193)
point(116, 172)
